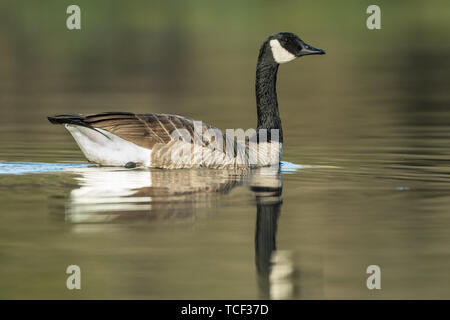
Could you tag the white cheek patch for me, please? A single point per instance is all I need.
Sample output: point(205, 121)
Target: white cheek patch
point(280, 54)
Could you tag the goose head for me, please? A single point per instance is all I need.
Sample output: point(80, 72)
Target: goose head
point(285, 47)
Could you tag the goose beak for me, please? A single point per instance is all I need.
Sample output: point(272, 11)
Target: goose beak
point(307, 50)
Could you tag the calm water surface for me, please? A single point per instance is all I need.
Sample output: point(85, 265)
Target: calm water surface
point(365, 177)
point(303, 232)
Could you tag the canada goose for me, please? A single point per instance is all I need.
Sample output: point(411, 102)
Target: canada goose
point(172, 141)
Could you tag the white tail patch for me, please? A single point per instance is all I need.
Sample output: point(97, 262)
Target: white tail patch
point(280, 54)
point(108, 149)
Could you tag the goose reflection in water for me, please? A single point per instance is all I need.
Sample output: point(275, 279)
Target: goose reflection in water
point(112, 194)
point(115, 194)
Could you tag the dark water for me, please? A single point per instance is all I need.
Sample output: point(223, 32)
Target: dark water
point(365, 179)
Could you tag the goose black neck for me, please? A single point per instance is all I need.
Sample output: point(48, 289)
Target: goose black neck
point(266, 92)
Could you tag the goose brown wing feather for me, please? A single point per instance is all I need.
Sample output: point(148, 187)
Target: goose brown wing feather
point(145, 130)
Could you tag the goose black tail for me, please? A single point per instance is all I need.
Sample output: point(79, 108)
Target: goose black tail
point(74, 119)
